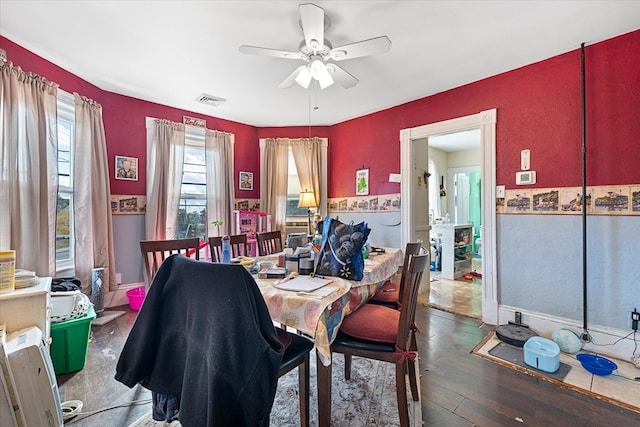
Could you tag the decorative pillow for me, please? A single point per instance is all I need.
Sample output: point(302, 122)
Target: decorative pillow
point(341, 249)
point(373, 323)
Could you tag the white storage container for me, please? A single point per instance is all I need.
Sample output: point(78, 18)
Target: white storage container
point(63, 303)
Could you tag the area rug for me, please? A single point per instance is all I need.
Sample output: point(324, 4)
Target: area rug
point(367, 399)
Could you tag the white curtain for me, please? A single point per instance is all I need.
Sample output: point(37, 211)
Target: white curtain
point(273, 200)
point(434, 190)
point(165, 161)
point(29, 169)
point(220, 184)
point(91, 196)
point(307, 156)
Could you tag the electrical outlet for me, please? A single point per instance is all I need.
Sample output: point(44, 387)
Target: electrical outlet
point(635, 319)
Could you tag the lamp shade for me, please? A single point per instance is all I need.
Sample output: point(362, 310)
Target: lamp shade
point(307, 199)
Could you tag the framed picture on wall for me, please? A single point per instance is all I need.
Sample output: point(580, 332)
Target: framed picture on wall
point(246, 180)
point(362, 182)
point(127, 168)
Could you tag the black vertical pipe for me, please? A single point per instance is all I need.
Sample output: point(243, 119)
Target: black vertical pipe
point(585, 334)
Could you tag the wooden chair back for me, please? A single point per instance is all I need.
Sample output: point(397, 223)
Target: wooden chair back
point(410, 249)
point(269, 242)
point(415, 268)
point(239, 247)
point(402, 353)
point(154, 252)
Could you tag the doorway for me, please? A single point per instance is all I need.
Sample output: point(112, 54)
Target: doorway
point(414, 224)
point(456, 276)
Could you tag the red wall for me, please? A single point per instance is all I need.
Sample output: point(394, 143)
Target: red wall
point(539, 107)
point(124, 122)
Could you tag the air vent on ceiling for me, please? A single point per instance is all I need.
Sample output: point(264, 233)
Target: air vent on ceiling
point(210, 99)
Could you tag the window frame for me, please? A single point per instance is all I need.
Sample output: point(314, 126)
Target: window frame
point(66, 113)
point(194, 138)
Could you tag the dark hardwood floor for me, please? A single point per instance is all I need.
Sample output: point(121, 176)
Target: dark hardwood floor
point(458, 388)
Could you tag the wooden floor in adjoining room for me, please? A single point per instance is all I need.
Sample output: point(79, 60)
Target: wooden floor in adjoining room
point(463, 297)
point(457, 387)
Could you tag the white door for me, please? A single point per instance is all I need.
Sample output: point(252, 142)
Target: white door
point(462, 198)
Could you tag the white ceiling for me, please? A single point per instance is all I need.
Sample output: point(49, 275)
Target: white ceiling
point(170, 52)
point(457, 141)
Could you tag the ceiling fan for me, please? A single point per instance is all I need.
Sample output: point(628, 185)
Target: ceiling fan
point(316, 52)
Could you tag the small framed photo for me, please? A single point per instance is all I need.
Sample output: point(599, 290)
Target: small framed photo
point(246, 180)
point(362, 182)
point(127, 168)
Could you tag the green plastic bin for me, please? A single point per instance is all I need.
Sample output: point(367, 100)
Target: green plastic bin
point(69, 343)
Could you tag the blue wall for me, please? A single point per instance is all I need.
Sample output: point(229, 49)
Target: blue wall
point(540, 266)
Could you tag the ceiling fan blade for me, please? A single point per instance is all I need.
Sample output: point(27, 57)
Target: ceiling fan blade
point(373, 46)
point(291, 78)
point(342, 77)
point(312, 21)
point(265, 51)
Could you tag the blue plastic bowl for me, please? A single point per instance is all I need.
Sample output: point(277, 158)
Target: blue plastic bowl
point(597, 365)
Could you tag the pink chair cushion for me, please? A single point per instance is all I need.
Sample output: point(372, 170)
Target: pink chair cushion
point(373, 323)
point(388, 293)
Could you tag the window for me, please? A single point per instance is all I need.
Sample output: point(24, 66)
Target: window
point(192, 212)
point(293, 192)
point(64, 209)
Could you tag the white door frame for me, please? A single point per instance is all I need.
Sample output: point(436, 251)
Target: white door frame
point(486, 121)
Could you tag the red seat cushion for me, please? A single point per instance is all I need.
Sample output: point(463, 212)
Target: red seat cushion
point(388, 293)
point(372, 322)
point(284, 337)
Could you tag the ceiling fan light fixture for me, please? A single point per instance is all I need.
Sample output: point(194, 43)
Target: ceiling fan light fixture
point(317, 69)
point(304, 77)
point(325, 79)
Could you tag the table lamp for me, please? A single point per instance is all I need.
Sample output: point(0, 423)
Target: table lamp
point(307, 200)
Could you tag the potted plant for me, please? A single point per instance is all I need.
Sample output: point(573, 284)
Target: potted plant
point(218, 224)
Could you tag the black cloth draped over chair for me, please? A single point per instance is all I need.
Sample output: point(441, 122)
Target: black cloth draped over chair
point(204, 333)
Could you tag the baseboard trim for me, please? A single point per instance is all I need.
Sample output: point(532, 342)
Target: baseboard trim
point(119, 297)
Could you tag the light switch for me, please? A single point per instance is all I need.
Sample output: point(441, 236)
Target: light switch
point(394, 177)
point(500, 191)
point(525, 159)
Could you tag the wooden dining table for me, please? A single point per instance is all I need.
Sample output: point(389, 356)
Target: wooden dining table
point(319, 314)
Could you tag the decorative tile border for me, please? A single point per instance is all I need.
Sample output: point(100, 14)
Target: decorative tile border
point(600, 200)
point(128, 204)
point(252, 205)
point(378, 203)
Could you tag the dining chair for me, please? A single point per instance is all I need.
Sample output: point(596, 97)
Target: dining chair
point(154, 252)
point(389, 293)
point(239, 246)
point(385, 334)
point(181, 345)
point(269, 242)
point(297, 349)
